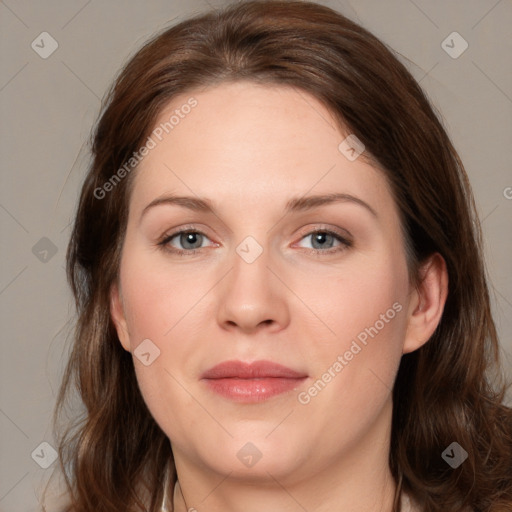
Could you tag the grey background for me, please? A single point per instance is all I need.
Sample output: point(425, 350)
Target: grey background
point(47, 108)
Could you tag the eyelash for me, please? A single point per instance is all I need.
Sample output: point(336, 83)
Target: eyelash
point(345, 244)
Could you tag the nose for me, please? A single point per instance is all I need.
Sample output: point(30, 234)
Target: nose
point(252, 297)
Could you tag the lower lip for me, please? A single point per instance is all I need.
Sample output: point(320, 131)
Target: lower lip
point(253, 390)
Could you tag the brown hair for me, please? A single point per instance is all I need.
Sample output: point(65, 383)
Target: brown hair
point(115, 454)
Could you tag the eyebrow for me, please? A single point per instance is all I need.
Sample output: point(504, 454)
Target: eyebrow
point(293, 205)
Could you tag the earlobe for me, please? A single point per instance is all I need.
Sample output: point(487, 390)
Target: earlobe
point(427, 303)
point(118, 317)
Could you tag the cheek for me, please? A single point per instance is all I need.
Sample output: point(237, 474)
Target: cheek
point(364, 299)
point(365, 352)
point(168, 401)
point(354, 376)
point(156, 297)
point(356, 362)
point(161, 305)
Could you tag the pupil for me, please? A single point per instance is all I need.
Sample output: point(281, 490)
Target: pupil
point(320, 238)
point(191, 238)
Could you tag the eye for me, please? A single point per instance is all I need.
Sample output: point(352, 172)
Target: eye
point(324, 241)
point(190, 241)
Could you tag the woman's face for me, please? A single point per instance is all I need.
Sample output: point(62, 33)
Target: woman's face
point(252, 282)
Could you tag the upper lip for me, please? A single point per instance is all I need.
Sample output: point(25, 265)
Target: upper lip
point(254, 370)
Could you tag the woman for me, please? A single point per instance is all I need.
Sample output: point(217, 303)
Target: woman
point(325, 341)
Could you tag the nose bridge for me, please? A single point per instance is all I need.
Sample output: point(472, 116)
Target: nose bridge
point(250, 274)
point(251, 294)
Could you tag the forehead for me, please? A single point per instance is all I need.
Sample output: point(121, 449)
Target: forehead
point(246, 143)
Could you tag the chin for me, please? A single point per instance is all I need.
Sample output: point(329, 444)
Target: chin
point(253, 455)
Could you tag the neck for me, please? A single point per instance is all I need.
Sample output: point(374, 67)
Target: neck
point(359, 481)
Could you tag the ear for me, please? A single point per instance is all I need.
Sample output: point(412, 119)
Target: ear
point(118, 317)
point(426, 303)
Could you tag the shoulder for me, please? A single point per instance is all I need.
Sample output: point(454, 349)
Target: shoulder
point(410, 505)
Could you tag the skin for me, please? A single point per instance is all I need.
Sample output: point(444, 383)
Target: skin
point(249, 149)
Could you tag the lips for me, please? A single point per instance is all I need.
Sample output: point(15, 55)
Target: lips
point(251, 382)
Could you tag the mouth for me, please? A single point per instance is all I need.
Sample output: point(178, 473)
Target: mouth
point(251, 382)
